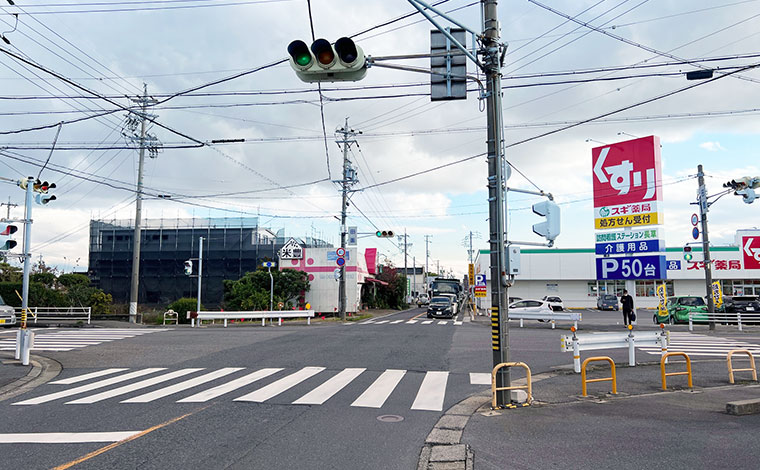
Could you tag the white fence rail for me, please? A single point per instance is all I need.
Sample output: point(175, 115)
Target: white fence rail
point(733, 318)
point(591, 341)
point(263, 315)
point(574, 317)
point(56, 313)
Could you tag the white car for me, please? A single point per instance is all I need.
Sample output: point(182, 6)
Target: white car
point(554, 302)
point(454, 301)
point(7, 314)
point(531, 306)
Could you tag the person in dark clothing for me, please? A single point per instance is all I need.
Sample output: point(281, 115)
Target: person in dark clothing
point(627, 302)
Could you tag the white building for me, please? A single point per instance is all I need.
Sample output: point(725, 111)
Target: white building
point(571, 274)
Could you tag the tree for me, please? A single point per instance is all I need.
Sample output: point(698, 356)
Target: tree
point(392, 295)
point(69, 280)
point(45, 278)
point(251, 292)
point(10, 273)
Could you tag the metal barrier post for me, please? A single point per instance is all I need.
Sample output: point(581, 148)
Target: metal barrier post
point(739, 320)
point(576, 353)
point(731, 369)
point(662, 368)
point(521, 323)
point(552, 323)
point(663, 341)
point(691, 324)
point(613, 378)
point(631, 347)
point(528, 387)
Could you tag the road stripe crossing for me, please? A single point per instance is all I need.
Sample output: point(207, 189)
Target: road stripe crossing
point(325, 391)
point(65, 437)
point(429, 396)
point(67, 340)
point(702, 345)
point(380, 390)
point(88, 387)
point(396, 322)
point(275, 388)
point(412, 321)
point(91, 375)
point(166, 391)
point(228, 387)
point(427, 322)
point(432, 391)
point(132, 387)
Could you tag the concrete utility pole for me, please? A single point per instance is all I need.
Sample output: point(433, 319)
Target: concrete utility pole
point(24, 336)
point(200, 272)
point(136, 238)
point(349, 179)
point(427, 259)
point(8, 214)
point(702, 201)
point(414, 274)
point(406, 269)
point(491, 53)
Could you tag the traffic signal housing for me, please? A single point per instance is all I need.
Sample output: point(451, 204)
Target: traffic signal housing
point(188, 268)
point(8, 243)
point(687, 253)
point(550, 228)
point(384, 233)
point(745, 187)
point(325, 62)
point(44, 198)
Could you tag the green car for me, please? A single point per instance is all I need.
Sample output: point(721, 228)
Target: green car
point(679, 308)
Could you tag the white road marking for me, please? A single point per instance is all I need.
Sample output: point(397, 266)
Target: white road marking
point(380, 390)
point(172, 389)
point(432, 391)
point(396, 321)
point(381, 322)
point(91, 375)
point(65, 437)
point(275, 388)
point(427, 322)
point(443, 322)
point(228, 387)
point(412, 322)
point(325, 391)
point(480, 378)
point(88, 387)
point(132, 387)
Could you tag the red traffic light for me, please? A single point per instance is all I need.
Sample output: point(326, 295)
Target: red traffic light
point(9, 230)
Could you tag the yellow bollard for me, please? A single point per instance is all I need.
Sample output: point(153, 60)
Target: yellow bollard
point(613, 378)
point(528, 387)
point(662, 368)
point(731, 369)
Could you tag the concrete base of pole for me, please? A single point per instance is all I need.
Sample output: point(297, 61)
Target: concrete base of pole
point(133, 312)
point(19, 344)
point(28, 341)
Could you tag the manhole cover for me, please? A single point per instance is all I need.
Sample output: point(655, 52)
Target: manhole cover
point(390, 418)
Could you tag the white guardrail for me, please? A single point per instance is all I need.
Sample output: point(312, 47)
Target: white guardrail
point(56, 313)
point(574, 317)
point(263, 315)
point(591, 341)
point(733, 318)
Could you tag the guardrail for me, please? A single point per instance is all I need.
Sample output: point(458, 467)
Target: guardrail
point(547, 316)
point(664, 359)
point(613, 378)
point(528, 386)
point(171, 316)
point(731, 369)
point(57, 313)
point(263, 315)
point(592, 341)
point(726, 318)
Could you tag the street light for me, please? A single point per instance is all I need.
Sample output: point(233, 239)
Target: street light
point(629, 135)
point(598, 142)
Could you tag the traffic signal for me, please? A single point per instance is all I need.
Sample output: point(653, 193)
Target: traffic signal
point(188, 268)
point(325, 62)
point(7, 232)
point(43, 186)
point(44, 198)
point(745, 187)
point(687, 253)
point(384, 233)
point(748, 195)
point(550, 228)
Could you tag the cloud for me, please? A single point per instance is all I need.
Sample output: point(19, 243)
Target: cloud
point(712, 146)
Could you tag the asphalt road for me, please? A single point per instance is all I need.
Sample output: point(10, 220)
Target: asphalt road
point(425, 369)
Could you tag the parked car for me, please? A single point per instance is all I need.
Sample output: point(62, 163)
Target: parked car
point(422, 299)
point(746, 305)
point(607, 302)
point(531, 306)
point(441, 307)
point(514, 299)
point(554, 302)
point(679, 308)
point(7, 314)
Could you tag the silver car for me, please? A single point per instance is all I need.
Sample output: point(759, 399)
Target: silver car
point(607, 302)
point(7, 314)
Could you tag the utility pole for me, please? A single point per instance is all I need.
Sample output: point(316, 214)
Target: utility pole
point(427, 259)
point(414, 274)
point(492, 55)
point(136, 237)
point(24, 336)
point(349, 179)
point(703, 207)
point(406, 271)
point(200, 272)
point(8, 214)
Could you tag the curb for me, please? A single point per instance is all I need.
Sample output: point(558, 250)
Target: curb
point(43, 370)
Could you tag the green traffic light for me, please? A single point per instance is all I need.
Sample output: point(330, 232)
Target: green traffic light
point(303, 59)
point(299, 51)
point(379, 233)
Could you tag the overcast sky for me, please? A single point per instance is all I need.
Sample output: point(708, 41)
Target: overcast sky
point(100, 50)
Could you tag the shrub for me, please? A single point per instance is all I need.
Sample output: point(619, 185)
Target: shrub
point(182, 306)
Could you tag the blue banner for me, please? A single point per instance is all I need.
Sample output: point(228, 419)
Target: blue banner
point(621, 247)
point(632, 268)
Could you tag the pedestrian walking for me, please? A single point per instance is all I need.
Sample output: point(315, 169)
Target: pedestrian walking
point(627, 301)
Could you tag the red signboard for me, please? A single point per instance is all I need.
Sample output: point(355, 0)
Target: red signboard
point(627, 172)
point(751, 252)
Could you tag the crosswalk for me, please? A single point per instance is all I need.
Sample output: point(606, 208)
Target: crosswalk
point(67, 340)
point(413, 321)
point(702, 345)
point(312, 385)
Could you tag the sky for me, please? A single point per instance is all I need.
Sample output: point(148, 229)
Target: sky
point(70, 61)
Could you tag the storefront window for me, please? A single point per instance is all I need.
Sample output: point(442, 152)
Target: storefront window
point(606, 287)
point(649, 288)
